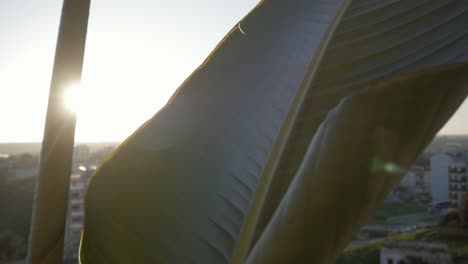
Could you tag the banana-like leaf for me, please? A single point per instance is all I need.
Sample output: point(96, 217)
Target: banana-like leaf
point(179, 189)
point(358, 153)
point(235, 134)
point(375, 40)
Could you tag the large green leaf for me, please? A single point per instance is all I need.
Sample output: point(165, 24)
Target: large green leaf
point(178, 190)
point(206, 175)
point(357, 155)
point(374, 41)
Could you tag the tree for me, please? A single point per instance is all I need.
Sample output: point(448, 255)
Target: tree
point(451, 219)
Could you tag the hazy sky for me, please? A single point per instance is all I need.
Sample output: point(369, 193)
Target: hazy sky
point(137, 54)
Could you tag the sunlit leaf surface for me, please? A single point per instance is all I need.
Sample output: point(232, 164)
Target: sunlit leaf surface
point(322, 104)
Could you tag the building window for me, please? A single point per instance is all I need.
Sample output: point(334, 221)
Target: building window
point(77, 219)
point(75, 195)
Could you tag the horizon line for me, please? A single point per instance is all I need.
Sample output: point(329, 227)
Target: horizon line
point(120, 141)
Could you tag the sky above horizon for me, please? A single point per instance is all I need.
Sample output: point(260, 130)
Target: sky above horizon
point(137, 54)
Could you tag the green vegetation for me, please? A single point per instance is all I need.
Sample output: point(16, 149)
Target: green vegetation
point(365, 254)
point(370, 253)
point(15, 213)
point(419, 235)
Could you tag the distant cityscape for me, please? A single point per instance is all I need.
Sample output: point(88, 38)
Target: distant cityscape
point(422, 219)
point(19, 166)
point(417, 222)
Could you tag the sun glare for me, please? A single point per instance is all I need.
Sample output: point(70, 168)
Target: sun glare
point(73, 98)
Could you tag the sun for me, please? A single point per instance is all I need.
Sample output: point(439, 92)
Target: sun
point(74, 97)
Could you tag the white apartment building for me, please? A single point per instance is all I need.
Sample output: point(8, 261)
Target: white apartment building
point(417, 178)
point(423, 178)
point(75, 215)
point(458, 184)
point(439, 177)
